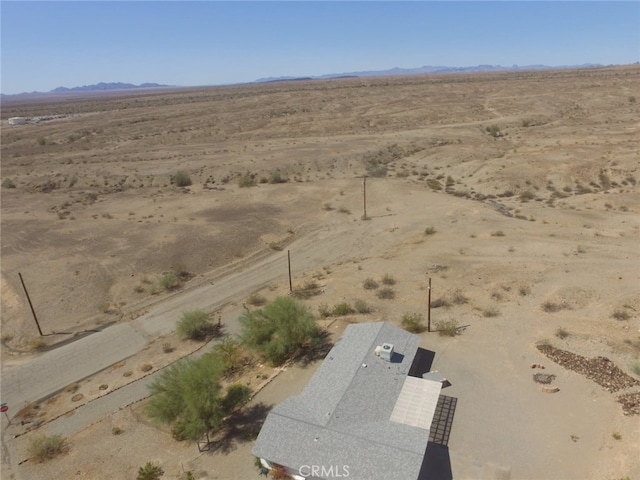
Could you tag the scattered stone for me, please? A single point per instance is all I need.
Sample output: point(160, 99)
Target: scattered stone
point(545, 378)
point(630, 403)
point(599, 369)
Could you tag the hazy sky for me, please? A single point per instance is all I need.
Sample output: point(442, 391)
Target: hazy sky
point(50, 44)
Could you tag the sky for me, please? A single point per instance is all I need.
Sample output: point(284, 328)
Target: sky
point(49, 44)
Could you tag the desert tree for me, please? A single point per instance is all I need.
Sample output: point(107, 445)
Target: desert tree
point(188, 396)
point(281, 330)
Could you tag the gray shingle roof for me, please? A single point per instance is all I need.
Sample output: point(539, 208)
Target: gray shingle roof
point(342, 417)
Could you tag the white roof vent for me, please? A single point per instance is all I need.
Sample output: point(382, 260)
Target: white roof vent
point(386, 352)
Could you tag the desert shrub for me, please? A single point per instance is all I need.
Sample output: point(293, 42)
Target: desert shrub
point(362, 307)
point(45, 447)
point(116, 431)
point(167, 348)
point(635, 368)
point(323, 310)
point(309, 289)
point(188, 396)
point(281, 330)
point(413, 322)
point(342, 309)
point(231, 353)
point(524, 290)
point(440, 302)
point(169, 281)
point(246, 180)
point(497, 233)
point(256, 299)
point(150, 471)
point(526, 196)
point(429, 230)
point(434, 184)
point(562, 333)
point(376, 169)
point(551, 307)
point(616, 436)
point(386, 293)
point(388, 279)
point(447, 328)
point(490, 312)
point(370, 284)
point(181, 179)
point(194, 325)
point(276, 177)
point(8, 183)
point(620, 314)
point(344, 210)
point(493, 130)
point(459, 298)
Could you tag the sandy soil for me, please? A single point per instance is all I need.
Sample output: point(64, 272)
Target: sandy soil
point(537, 227)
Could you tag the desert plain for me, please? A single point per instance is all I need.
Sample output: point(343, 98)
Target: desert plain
point(516, 194)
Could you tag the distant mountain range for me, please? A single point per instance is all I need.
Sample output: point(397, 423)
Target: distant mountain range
point(98, 87)
point(101, 87)
point(427, 69)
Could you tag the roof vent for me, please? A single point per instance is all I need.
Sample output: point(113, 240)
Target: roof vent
point(386, 352)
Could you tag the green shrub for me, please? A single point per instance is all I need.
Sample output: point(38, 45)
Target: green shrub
point(447, 328)
point(246, 180)
point(430, 231)
point(635, 368)
point(8, 183)
point(194, 325)
point(413, 322)
point(276, 177)
point(231, 353)
point(150, 471)
point(362, 307)
point(181, 179)
point(342, 309)
point(169, 281)
point(493, 130)
point(188, 395)
point(370, 284)
point(47, 447)
point(281, 330)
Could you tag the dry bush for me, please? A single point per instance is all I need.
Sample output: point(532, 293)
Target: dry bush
point(47, 447)
point(370, 284)
point(386, 293)
point(447, 328)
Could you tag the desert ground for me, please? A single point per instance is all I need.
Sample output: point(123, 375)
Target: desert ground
point(515, 193)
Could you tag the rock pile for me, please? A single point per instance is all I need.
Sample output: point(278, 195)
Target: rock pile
point(630, 403)
point(599, 369)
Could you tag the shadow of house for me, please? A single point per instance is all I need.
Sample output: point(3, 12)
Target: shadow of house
point(362, 412)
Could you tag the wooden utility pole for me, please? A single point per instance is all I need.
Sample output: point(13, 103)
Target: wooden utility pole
point(429, 307)
point(30, 304)
point(289, 259)
point(364, 196)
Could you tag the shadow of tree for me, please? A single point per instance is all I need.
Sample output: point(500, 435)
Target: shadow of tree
point(316, 352)
point(240, 427)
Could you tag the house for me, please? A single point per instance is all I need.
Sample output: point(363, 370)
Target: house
point(364, 415)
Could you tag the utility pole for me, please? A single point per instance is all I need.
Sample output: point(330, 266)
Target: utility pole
point(30, 304)
point(289, 259)
point(364, 195)
point(429, 307)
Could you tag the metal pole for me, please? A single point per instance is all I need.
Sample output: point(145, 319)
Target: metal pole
point(30, 305)
point(429, 308)
point(289, 258)
point(364, 195)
